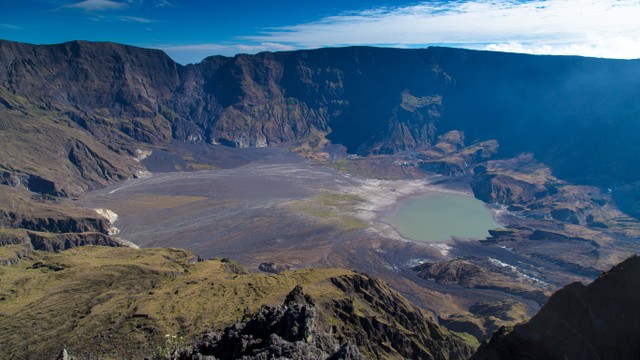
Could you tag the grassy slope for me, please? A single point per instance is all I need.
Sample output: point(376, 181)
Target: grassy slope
point(122, 302)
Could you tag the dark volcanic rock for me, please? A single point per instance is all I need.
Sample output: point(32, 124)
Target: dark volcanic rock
point(59, 242)
point(299, 329)
point(597, 321)
point(32, 182)
point(565, 215)
point(58, 224)
point(504, 189)
point(444, 167)
point(271, 267)
point(285, 331)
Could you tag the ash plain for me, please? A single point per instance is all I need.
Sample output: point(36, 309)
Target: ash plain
point(270, 206)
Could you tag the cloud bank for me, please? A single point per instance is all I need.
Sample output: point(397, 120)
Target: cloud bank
point(601, 28)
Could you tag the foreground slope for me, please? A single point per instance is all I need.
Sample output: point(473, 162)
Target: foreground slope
point(121, 302)
point(597, 321)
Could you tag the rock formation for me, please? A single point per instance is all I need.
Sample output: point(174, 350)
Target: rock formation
point(597, 321)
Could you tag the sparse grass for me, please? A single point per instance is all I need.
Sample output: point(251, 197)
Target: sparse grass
point(311, 146)
point(376, 167)
point(10, 251)
point(468, 338)
point(119, 298)
point(6, 233)
point(195, 166)
point(337, 209)
point(23, 202)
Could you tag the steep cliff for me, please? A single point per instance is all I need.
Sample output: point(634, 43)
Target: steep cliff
point(102, 100)
point(597, 321)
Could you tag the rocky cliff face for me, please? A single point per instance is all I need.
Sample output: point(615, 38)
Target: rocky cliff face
point(370, 100)
point(597, 321)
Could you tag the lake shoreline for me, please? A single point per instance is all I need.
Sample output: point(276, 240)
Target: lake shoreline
point(382, 198)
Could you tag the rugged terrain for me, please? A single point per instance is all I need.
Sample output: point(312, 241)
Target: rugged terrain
point(121, 302)
point(597, 321)
point(371, 100)
point(548, 142)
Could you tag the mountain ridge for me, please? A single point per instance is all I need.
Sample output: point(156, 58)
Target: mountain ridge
point(280, 98)
point(121, 302)
point(594, 321)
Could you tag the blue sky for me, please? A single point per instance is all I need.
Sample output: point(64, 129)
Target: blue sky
point(191, 30)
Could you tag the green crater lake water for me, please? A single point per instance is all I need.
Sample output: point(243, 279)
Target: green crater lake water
point(439, 217)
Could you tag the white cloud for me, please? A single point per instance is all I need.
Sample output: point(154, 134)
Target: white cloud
point(186, 54)
point(604, 28)
point(137, 19)
point(163, 3)
point(9, 26)
point(96, 5)
point(622, 47)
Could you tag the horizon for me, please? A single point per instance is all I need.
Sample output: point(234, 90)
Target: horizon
point(189, 32)
point(318, 48)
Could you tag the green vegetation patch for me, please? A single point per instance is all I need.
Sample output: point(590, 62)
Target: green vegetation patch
point(337, 209)
point(124, 301)
point(468, 338)
point(8, 252)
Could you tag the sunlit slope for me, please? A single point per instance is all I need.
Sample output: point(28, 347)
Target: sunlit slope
point(121, 302)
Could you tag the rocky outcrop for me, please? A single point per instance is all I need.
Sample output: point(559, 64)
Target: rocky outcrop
point(450, 156)
point(565, 215)
point(22, 252)
point(503, 189)
point(59, 242)
point(54, 224)
point(475, 275)
point(13, 179)
point(447, 167)
point(287, 331)
point(398, 328)
point(31, 182)
point(298, 329)
point(271, 267)
point(597, 321)
point(14, 245)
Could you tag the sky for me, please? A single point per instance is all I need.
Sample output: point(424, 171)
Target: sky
point(191, 30)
